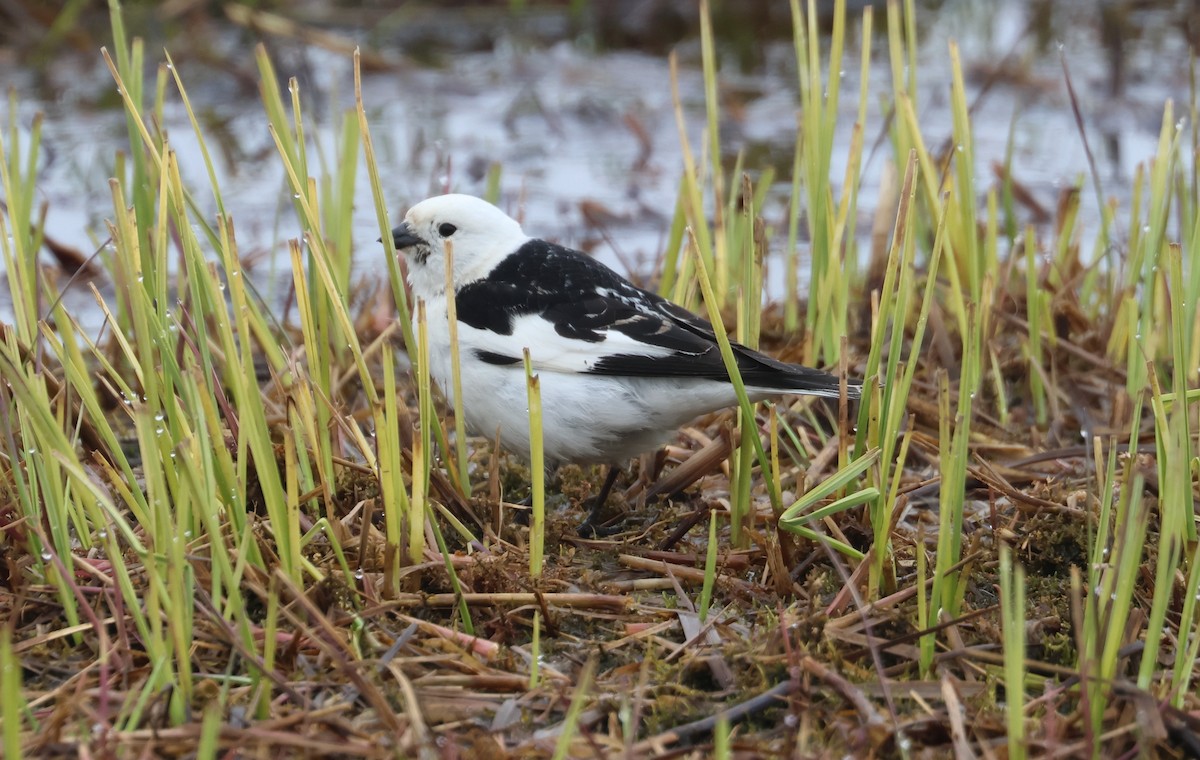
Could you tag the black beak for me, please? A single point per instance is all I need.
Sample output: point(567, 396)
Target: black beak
point(403, 237)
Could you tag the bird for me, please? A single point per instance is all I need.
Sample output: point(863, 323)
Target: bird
point(620, 368)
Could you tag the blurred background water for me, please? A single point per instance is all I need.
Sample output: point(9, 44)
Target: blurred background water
point(571, 103)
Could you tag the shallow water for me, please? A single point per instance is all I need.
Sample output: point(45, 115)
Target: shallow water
point(557, 118)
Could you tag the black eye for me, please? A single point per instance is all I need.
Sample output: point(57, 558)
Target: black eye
point(446, 229)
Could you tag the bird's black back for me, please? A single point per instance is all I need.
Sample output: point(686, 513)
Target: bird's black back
point(584, 299)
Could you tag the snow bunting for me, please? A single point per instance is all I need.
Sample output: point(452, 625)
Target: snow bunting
point(621, 368)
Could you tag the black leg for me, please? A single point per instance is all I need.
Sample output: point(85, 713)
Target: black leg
point(589, 527)
point(524, 516)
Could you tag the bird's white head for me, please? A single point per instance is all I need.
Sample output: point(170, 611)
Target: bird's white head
point(480, 234)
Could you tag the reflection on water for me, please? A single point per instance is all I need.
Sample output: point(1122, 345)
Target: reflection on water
point(586, 141)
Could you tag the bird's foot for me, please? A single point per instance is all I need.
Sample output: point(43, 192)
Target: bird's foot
point(593, 526)
point(524, 516)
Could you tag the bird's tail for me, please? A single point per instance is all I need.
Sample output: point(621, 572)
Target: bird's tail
point(804, 380)
point(770, 376)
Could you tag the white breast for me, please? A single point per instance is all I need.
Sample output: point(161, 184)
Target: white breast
point(586, 418)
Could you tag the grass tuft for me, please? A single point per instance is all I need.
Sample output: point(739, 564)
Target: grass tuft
point(242, 525)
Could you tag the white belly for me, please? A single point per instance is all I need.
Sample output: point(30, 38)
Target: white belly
point(585, 418)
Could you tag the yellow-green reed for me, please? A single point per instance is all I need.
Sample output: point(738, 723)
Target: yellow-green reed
point(570, 724)
point(165, 511)
point(674, 280)
point(537, 469)
point(725, 246)
point(422, 445)
point(733, 250)
point(1187, 202)
point(32, 435)
point(183, 362)
point(250, 319)
point(12, 700)
point(903, 96)
point(308, 421)
point(791, 271)
point(1109, 603)
point(833, 321)
point(831, 261)
point(691, 201)
point(337, 191)
point(402, 515)
point(390, 463)
point(460, 472)
point(40, 483)
point(395, 278)
point(710, 567)
point(886, 388)
point(970, 253)
point(218, 480)
point(954, 437)
point(491, 191)
point(418, 506)
point(1182, 672)
point(1037, 314)
point(211, 723)
point(970, 271)
point(1167, 561)
point(1155, 336)
point(747, 244)
point(990, 358)
point(775, 473)
point(128, 70)
point(1177, 523)
point(796, 518)
point(1177, 466)
point(270, 649)
point(719, 255)
point(1111, 573)
point(1106, 477)
point(324, 273)
point(157, 613)
point(164, 427)
point(804, 510)
point(1173, 430)
point(205, 288)
point(464, 612)
point(208, 479)
point(169, 516)
point(925, 645)
point(23, 236)
point(721, 738)
point(535, 650)
point(745, 406)
point(1012, 618)
point(741, 475)
point(1142, 286)
point(906, 130)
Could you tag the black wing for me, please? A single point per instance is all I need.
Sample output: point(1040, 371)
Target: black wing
point(621, 329)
